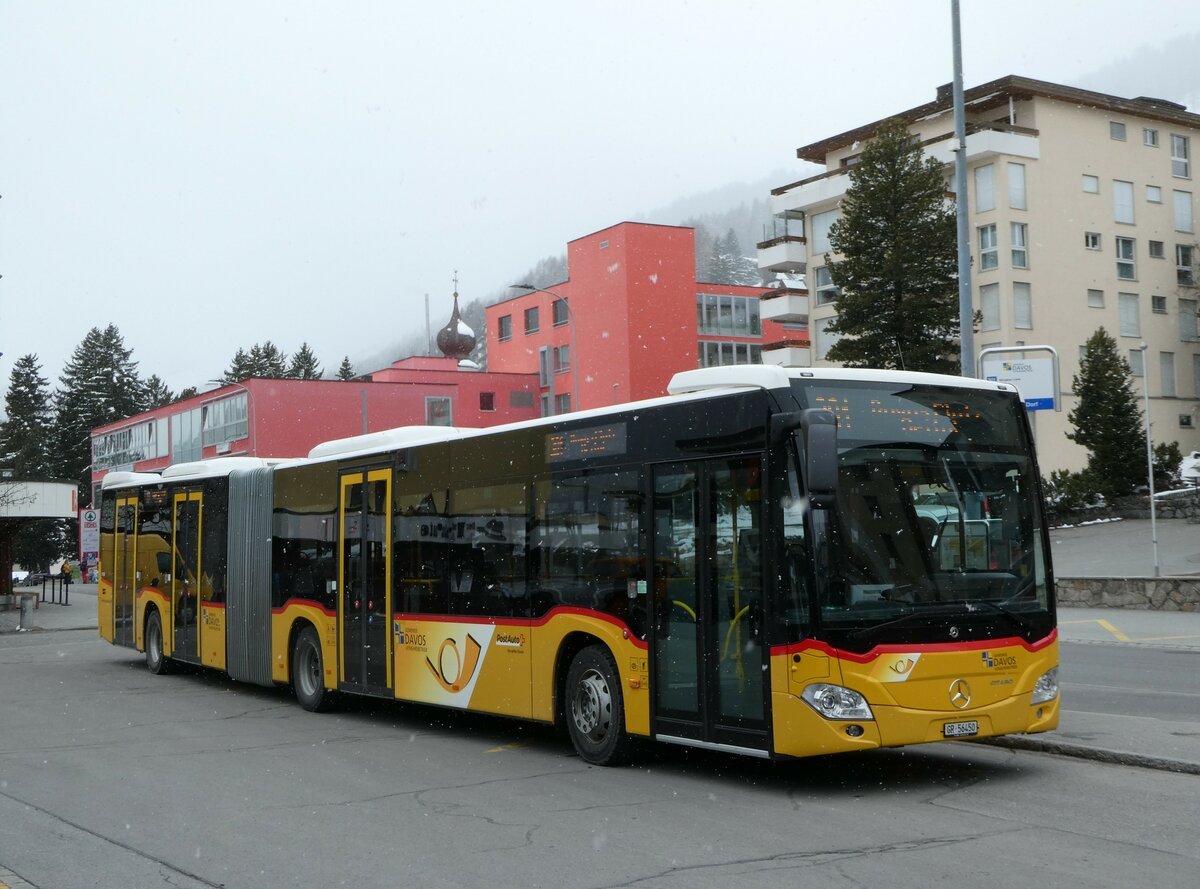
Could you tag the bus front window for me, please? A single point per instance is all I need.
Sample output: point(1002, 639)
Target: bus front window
point(937, 523)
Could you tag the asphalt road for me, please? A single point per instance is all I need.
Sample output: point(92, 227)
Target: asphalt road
point(1126, 548)
point(112, 777)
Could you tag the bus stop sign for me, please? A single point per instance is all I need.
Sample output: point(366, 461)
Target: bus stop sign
point(1033, 377)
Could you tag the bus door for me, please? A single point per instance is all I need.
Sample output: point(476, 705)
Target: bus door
point(185, 576)
point(124, 570)
point(709, 663)
point(364, 580)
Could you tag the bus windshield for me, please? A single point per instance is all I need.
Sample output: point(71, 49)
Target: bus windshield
point(937, 527)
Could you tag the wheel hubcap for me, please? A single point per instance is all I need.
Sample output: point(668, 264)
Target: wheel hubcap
point(592, 706)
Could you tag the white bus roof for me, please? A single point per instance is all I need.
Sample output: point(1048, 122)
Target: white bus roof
point(122, 479)
point(215, 468)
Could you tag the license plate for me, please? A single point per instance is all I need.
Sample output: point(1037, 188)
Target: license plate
point(960, 729)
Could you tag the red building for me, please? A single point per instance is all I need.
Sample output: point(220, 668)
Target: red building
point(639, 315)
point(287, 418)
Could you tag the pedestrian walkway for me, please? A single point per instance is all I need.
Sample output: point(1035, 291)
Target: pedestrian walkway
point(79, 615)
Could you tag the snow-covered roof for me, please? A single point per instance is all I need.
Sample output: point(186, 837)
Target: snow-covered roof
point(122, 479)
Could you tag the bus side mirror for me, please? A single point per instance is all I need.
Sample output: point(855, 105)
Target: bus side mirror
point(818, 430)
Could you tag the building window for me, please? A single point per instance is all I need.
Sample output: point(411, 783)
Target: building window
point(728, 315)
point(487, 401)
point(504, 328)
point(562, 359)
point(826, 292)
point(825, 340)
point(185, 436)
point(1158, 305)
point(559, 312)
point(531, 320)
point(1020, 255)
point(1126, 264)
point(1116, 130)
point(438, 411)
point(989, 306)
point(1183, 210)
point(985, 188)
point(1185, 421)
point(988, 255)
point(604, 245)
point(1095, 299)
point(562, 403)
point(520, 399)
point(1188, 330)
point(716, 354)
point(1137, 363)
point(1022, 306)
point(1127, 304)
point(1166, 368)
point(1091, 240)
point(224, 420)
point(1123, 201)
point(821, 223)
point(1016, 186)
point(1153, 194)
point(1149, 137)
point(1091, 184)
point(1180, 157)
point(1157, 250)
point(1185, 274)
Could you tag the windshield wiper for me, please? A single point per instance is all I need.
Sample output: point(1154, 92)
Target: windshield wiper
point(1015, 619)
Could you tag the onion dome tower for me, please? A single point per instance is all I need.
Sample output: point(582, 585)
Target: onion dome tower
point(456, 339)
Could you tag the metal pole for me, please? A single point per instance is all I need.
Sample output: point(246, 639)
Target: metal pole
point(1149, 452)
point(966, 317)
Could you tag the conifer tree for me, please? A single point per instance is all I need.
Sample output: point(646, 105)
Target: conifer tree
point(26, 434)
point(239, 368)
point(99, 385)
point(897, 266)
point(304, 365)
point(1106, 420)
point(346, 371)
point(157, 393)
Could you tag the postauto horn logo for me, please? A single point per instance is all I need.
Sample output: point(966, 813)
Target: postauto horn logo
point(461, 666)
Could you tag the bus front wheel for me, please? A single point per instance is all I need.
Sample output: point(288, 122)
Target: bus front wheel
point(308, 671)
point(595, 712)
point(156, 662)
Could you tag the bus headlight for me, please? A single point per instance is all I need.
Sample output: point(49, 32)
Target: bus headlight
point(836, 701)
point(1047, 687)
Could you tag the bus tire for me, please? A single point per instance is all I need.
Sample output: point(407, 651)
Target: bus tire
point(594, 708)
point(308, 672)
point(156, 662)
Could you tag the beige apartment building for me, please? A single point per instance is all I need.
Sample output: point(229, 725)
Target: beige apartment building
point(1082, 215)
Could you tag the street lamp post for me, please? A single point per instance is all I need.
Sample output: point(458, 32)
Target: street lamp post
point(1149, 452)
point(574, 346)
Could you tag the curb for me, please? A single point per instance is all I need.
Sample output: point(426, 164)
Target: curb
point(1096, 754)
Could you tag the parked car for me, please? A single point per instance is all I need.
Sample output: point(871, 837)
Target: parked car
point(36, 578)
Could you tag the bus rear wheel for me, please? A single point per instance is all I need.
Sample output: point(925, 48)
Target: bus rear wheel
point(156, 662)
point(595, 713)
point(308, 672)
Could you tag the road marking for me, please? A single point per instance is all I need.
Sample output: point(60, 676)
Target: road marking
point(1121, 637)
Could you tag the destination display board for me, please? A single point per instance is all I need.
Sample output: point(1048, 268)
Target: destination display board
point(580, 444)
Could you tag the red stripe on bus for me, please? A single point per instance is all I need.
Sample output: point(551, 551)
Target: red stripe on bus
point(932, 647)
point(525, 621)
point(290, 602)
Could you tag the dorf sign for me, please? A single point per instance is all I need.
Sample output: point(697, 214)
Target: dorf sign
point(1033, 377)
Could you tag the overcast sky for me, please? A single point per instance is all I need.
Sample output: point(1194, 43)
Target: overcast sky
point(208, 175)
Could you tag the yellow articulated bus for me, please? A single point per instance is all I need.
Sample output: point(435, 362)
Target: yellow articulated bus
point(771, 562)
